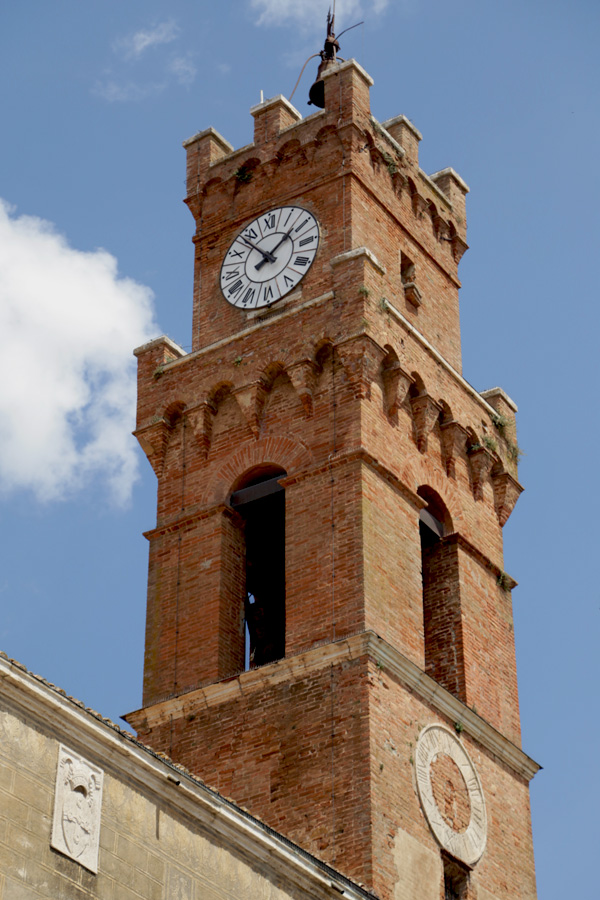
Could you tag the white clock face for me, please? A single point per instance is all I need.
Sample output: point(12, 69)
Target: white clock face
point(269, 257)
point(464, 839)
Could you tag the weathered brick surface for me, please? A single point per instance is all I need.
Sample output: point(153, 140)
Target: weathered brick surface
point(506, 868)
point(312, 387)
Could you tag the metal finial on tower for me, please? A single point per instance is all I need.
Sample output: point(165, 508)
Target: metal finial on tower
point(328, 56)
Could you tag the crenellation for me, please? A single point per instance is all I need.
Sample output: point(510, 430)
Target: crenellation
point(271, 117)
point(407, 135)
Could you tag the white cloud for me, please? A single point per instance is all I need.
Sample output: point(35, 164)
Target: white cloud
point(183, 69)
point(311, 14)
point(133, 46)
point(116, 85)
point(67, 398)
point(126, 92)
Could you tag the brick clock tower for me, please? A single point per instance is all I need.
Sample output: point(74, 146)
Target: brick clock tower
point(329, 637)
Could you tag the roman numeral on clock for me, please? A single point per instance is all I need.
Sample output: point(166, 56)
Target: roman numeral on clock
point(236, 288)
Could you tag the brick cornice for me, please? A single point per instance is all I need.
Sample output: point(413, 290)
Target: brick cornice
point(483, 560)
point(440, 359)
point(354, 454)
point(187, 519)
point(335, 653)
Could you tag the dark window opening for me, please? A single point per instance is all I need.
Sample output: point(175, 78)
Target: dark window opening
point(430, 529)
point(261, 504)
point(442, 622)
point(456, 880)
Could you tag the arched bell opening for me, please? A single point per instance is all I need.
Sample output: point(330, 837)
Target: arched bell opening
point(259, 500)
point(442, 625)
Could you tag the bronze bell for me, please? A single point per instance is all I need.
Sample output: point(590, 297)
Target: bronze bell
point(316, 94)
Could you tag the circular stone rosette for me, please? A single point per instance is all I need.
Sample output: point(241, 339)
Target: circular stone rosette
point(467, 845)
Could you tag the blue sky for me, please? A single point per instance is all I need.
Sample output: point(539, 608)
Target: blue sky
point(96, 256)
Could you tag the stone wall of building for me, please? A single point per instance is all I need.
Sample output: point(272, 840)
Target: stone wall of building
point(161, 834)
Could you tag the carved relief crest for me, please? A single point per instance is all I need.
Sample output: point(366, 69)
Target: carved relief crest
point(77, 808)
point(451, 794)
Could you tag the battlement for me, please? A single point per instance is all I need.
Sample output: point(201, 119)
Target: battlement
point(277, 122)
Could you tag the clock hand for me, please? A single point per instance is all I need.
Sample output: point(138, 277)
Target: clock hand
point(260, 264)
point(267, 256)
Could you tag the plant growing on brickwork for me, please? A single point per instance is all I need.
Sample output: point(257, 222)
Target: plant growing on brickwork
point(383, 304)
point(514, 451)
point(363, 291)
point(390, 162)
point(243, 174)
point(158, 371)
point(500, 422)
point(364, 324)
point(379, 664)
point(504, 581)
point(473, 448)
point(238, 360)
point(489, 443)
point(458, 727)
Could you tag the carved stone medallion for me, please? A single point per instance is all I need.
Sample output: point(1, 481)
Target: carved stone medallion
point(450, 793)
point(77, 808)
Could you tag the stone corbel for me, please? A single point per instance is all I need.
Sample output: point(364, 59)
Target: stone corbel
point(412, 293)
point(396, 383)
point(303, 375)
point(425, 414)
point(441, 228)
point(453, 441)
point(251, 399)
point(399, 182)
point(201, 419)
point(154, 439)
point(480, 466)
point(419, 204)
point(361, 358)
point(459, 248)
point(507, 491)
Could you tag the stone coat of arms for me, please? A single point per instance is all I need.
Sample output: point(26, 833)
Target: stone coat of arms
point(77, 808)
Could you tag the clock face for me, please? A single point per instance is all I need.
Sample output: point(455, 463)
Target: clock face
point(269, 257)
point(451, 794)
